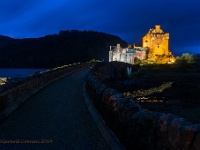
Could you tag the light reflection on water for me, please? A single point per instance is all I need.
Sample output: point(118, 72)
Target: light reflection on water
point(150, 100)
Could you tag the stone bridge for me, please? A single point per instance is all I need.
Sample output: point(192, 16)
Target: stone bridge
point(49, 111)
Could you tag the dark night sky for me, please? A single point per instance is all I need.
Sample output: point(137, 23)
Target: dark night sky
point(128, 19)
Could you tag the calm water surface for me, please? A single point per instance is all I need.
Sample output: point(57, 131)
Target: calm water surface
point(18, 72)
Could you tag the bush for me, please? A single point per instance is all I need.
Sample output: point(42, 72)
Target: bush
point(187, 58)
point(137, 61)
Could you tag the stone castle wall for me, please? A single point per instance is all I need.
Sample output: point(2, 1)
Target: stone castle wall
point(155, 47)
point(158, 43)
point(122, 55)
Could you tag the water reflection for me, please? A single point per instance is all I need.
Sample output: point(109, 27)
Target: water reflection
point(10, 73)
point(150, 100)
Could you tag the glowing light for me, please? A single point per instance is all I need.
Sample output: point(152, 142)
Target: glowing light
point(3, 81)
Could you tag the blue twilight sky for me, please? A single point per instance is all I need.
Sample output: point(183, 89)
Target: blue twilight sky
point(128, 19)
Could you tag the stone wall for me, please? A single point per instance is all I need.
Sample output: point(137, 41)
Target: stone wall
point(11, 92)
point(140, 129)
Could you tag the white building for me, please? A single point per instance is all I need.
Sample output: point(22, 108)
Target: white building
point(127, 55)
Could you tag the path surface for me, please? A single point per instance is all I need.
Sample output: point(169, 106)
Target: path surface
point(56, 115)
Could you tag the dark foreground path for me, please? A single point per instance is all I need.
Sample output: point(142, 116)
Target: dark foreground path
point(57, 117)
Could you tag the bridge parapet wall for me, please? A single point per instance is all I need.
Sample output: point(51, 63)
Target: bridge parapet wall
point(11, 92)
point(140, 129)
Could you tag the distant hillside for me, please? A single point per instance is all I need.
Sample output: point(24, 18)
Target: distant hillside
point(5, 40)
point(55, 50)
point(5, 37)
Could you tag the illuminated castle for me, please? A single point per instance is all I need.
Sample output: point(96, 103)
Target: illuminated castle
point(155, 47)
point(127, 55)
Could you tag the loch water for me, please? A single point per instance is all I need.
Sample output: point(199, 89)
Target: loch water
point(10, 73)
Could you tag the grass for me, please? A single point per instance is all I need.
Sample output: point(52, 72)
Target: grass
point(185, 90)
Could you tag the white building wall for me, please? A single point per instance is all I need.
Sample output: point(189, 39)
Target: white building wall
point(129, 58)
point(123, 57)
point(110, 56)
point(116, 56)
point(119, 54)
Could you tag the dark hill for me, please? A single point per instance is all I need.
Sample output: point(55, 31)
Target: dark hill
point(5, 40)
point(3, 37)
point(56, 50)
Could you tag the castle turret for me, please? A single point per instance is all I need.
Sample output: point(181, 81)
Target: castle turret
point(157, 41)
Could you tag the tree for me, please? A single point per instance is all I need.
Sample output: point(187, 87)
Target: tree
point(137, 61)
point(187, 58)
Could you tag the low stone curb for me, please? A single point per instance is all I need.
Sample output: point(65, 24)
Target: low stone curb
point(143, 129)
point(105, 131)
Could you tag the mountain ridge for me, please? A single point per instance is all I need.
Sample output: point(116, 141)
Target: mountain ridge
point(68, 46)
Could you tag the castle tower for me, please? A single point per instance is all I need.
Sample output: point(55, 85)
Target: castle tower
point(157, 41)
